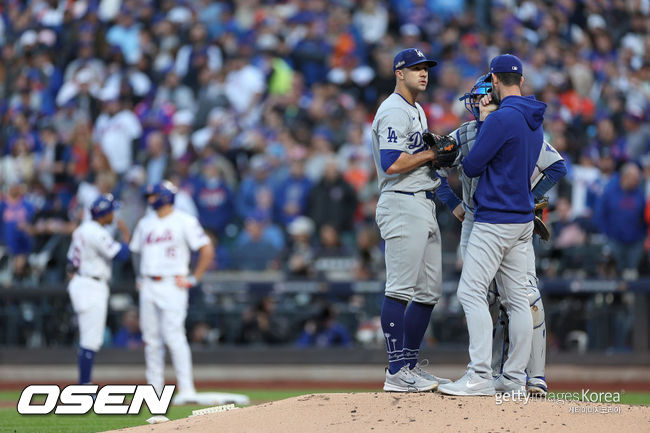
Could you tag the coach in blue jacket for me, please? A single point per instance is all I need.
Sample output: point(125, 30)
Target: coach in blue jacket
point(504, 156)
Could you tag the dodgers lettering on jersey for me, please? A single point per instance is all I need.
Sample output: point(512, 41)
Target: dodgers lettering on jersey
point(92, 249)
point(164, 244)
point(399, 125)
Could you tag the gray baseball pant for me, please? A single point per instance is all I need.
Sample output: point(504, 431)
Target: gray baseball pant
point(497, 251)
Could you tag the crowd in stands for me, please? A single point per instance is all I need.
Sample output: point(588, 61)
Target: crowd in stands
point(260, 113)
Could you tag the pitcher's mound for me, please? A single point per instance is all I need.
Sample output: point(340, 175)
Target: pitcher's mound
point(389, 412)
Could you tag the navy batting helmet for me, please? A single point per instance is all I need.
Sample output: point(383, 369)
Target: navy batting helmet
point(480, 88)
point(103, 205)
point(164, 191)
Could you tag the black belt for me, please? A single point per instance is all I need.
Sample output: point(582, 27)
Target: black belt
point(428, 194)
point(90, 276)
point(155, 277)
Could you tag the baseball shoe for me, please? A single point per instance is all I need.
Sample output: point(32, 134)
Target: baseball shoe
point(470, 384)
point(405, 381)
point(505, 385)
point(183, 398)
point(420, 371)
point(537, 386)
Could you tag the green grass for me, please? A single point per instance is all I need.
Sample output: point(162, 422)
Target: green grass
point(11, 421)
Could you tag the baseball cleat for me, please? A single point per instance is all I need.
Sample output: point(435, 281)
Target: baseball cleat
point(420, 371)
point(405, 381)
point(537, 386)
point(505, 385)
point(470, 384)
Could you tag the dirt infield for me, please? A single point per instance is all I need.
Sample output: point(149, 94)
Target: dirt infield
point(379, 412)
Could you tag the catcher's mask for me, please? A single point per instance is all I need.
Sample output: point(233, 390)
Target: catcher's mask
point(472, 97)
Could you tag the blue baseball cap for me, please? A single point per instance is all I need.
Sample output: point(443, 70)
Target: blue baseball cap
point(505, 63)
point(409, 57)
point(103, 205)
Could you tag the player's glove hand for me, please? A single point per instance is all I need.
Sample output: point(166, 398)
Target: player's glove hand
point(540, 227)
point(540, 205)
point(445, 147)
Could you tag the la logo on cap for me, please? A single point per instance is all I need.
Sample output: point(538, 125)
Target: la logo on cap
point(514, 68)
point(419, 53)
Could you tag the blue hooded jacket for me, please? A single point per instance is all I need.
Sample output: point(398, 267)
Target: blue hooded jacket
point(504, 156)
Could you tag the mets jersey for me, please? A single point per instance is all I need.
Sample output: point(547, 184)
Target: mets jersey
point(398, 125)
point(92, 250)
point(164, 244)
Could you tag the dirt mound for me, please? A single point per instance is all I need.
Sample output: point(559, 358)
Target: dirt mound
point(390, 412)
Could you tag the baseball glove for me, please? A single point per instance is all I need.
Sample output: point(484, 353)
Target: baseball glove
point(445, 147)
point(540, 227)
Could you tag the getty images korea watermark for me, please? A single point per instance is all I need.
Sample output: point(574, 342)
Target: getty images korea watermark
point(586, 396)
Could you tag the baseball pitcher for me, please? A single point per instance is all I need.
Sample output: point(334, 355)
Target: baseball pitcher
point(403, 151)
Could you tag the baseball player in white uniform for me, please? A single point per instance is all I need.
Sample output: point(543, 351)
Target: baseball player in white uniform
point(550, 168)
point(89, 259)
point(406, 216)
point(161, 246)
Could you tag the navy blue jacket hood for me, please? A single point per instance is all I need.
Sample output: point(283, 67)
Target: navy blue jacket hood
point(529, 107)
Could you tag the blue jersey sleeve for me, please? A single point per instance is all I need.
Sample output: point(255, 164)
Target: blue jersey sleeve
point(388, 157)
point(552, 176)
point(446, 194)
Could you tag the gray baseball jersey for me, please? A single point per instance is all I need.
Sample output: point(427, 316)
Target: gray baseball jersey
point(406, 212)
point(399, 125)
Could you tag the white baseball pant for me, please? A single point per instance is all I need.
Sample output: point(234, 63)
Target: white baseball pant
point(89, 299)
point(163, 309)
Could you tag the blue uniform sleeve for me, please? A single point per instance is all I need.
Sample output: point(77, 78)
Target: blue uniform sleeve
point(123, 254)
point(446, 194)
point(388, 157)
point(552, 176)
point(490, 138)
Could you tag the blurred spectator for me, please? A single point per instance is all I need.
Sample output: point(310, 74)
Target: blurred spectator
point(180, 135)
point(256, 248)
point(261, 324)
point(173, 91)
point(292, 194)
point(299, 260)
point(17, 213)
point(213, 199)
point(128, 336)
point(126, 35)
point(255, 181)
point(333, 201)
point(333, 261)
point(19, 165)
point(156, 158)
point(53, 165)
point(620, 216)
point(323, 330)
point(115, 130)
point(202, 335)
point(370, 258)
point(372, 21)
